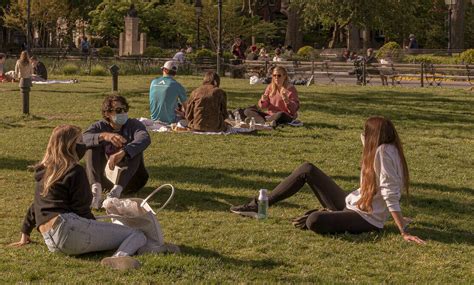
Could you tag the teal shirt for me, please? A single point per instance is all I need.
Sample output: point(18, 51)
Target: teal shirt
point(164, 95)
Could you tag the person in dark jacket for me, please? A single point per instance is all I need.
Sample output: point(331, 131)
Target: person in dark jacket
point(60, 209)
point(116, 141)
point(39, 69)
point(206, 109)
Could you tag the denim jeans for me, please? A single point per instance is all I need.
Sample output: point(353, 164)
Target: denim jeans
point(73, 235)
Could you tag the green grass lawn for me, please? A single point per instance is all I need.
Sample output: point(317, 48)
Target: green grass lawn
point(211, 173)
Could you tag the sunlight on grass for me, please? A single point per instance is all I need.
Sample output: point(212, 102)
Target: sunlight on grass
point(211, 173)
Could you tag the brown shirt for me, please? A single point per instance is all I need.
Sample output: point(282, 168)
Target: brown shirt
point(206, 109)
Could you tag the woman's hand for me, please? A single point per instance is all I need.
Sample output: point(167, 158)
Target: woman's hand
point(410, 238)
point(24, 240)
point(284, 95)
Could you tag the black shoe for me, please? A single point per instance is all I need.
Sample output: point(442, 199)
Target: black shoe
point(248, 210)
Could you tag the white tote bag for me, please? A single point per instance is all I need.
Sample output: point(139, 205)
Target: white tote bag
point(137, 213)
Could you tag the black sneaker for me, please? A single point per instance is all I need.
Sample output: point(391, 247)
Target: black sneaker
point(248, 210)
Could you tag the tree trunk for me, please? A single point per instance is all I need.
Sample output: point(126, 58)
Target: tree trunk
point(367, 39)
point(293, 37)
point(353, 37)
point(335, 32)
point(457, 24)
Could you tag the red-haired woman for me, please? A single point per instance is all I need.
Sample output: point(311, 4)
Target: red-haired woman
point(383, 176)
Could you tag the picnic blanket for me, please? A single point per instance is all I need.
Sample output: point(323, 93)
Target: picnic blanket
point(72, 81)
point(163, 128)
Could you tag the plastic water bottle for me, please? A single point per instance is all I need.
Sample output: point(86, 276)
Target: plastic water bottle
point(237, 118)
point(252, 124)
point(262, 204)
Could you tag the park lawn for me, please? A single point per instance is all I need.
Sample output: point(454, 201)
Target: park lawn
point(211, 173)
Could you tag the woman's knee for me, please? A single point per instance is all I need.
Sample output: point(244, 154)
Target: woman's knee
point(319, 222)
point(139, 237)
point(307, 167)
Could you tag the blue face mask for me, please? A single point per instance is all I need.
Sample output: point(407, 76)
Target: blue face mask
point(120, 119)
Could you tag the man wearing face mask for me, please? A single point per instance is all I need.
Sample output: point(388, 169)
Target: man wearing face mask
point(119, 141)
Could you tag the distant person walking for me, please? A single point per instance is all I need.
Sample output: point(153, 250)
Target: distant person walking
point(24, 70)
point(412, 44)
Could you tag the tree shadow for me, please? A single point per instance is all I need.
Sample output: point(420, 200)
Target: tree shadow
point(15, 163)
point(214, 177)
point(266, 263)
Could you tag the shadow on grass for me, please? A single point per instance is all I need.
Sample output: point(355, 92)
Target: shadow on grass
point(266, 263)
point(15, 163)
point(190, 200)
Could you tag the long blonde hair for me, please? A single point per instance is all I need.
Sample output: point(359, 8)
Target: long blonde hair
point(273, 85)
point(24, 58)
point(377, 131)
point(60, 155)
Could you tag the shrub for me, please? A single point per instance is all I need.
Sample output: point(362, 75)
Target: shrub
point(390, 49)
point(205, 53)
point(154, 52)
point(70, 69)
point(106, 52)
point(425, 58)
point(306, 52)
point(98, 70)
point(467, 57)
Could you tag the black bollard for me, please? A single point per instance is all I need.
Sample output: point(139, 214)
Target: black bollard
point(114, 69)
point(25, 87)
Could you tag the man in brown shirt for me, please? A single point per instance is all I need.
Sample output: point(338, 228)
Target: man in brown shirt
point(206, 108)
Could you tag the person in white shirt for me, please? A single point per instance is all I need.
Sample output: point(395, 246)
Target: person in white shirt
point(384, 173)
point(180, 56)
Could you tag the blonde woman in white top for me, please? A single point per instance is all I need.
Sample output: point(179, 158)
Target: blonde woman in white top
point(24, 69)
point(384, 174)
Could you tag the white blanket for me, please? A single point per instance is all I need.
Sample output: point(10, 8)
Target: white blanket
point(162, 128)
point(72, 81)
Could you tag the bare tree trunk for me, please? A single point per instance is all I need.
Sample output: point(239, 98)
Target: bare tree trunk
point(367, 39)
point(332, 42)
point(457, 25)
point(353, 37)
point(293, 37)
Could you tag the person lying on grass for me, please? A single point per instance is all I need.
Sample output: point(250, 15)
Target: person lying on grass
point(384, 173)
point(280, 99)
point(61, 207)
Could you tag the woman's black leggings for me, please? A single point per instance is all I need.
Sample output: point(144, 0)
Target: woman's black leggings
point(339, 219)
point(279, 118)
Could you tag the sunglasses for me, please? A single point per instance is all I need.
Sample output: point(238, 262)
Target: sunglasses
point(277, 75)
point(119, 110)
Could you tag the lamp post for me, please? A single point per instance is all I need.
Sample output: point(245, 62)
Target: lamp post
point(28, 11)
point(219, 36)
point(198, 8)
point(450, 4)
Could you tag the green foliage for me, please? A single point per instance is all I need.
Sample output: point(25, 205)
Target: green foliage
point(389, 50)
point(205, 53)
point(467, 56)
point(70, 69)
point(106, 51)
point(306, 52)
point(152, 51)
point(99, 70)
point(426, 58)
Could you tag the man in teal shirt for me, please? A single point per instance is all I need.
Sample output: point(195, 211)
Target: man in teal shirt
point(164, 95)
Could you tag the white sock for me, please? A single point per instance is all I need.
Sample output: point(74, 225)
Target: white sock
point(116, 191)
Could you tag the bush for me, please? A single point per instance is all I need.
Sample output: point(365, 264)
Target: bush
point(70, 69)
point(306, 52)
point(391, 50)
point(155, 52)
point(467, 57)
point(98, 70)
point(106, 52)
point(425, 58)
point(205, 53)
